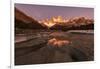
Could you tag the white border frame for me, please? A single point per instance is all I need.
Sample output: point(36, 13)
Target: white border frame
point(39, 2)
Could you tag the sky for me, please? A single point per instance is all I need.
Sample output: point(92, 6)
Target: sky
point(40, 12)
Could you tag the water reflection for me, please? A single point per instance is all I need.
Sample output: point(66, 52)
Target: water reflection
point(56, 42)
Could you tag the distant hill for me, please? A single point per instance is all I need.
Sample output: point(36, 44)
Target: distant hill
point(23, 21)
point(65, 27)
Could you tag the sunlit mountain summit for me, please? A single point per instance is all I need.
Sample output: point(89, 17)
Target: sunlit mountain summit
point(59, 20)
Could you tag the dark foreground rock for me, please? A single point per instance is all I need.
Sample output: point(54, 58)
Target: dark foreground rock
point(81, 49)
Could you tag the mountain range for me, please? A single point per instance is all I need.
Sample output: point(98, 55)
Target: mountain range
point(23, 21)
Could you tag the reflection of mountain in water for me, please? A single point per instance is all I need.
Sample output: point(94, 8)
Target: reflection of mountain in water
point(38, 51)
